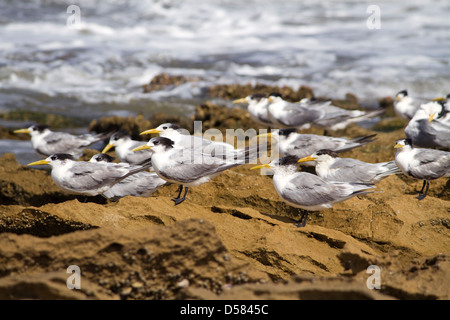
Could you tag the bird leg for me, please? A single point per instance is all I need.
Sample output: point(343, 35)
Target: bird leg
point(422, 195)
point(178, 200)
point(302, 221)
point(180, 189)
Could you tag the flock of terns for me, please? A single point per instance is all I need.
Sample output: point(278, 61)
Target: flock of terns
point(187, 160)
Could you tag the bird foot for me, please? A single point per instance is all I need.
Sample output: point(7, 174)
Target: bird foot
point(178, 200)
point(421, 196)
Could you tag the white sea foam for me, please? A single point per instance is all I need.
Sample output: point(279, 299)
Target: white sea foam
point(119, 46)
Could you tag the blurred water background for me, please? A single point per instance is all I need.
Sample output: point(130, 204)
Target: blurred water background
point(96, 65)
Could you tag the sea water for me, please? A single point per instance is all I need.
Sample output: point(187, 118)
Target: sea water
point(91, 58)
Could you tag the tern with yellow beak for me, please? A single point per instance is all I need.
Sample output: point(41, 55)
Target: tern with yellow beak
point(333, 168)
point(87, 178)
point(421, 163)
point(428, 129)
point(181, 137)
point(291, 143)
point(190, 167)
point(405, 106)
point(139, 184)
point(307, 191)
point(47, 142)
point(123, 146)
point(257, 108)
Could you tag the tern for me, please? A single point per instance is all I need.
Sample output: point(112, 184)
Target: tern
point(421, 163)
point(140, 184)
point(404, 105)
point(123, 144)
point(87, 178)
point(47, 142)
point(176, 134)
point(333, 168)
point(291, 143)
point(257, 108)
point(189, 166)
point(429, 127)
point(307, 191)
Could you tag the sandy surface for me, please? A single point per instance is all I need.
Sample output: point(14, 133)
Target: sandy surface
point(233, 238)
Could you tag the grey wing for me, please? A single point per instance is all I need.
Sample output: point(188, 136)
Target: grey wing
point(441, 132)
point(433, 164)
point(60, 142)
point(310, 190)
point(141, 184)
point(297, 115)
point(315, 141)
point(428, 134)
point(192, 165)
point(307, 144)
point(353, 170)
point(88, 176)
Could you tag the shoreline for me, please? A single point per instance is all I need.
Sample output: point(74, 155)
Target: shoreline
point(231, 238)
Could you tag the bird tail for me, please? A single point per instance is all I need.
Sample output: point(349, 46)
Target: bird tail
point(138, 168)
point(93, 138)
point(250, 154)
point(356, 142)
point(367, 115)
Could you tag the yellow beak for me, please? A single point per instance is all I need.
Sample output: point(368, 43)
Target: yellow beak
point(306, 159)
point(107, 148)
point(150, 131)
point(398, 145)
point(270, 99)
point(261, 166)
point(242, 100)
point(40, 162)
point(22, 131)
point(439, 99)
point(430, 118)
point(144, 147)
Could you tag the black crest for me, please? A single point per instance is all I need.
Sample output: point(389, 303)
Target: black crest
point(408, 142)
point(328, 152)
point(39, 127)
point(162, 141)
point(61, 156)
point(288, 161)
point(103, 157)
point(120, 134)
point(170, 126)
point(275, 94)
point(286, 132)
point(257, 96)
point(404, 92)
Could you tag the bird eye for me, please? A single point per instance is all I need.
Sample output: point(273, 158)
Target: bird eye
point(165, 127)
point(156, 142)
point(53, 157)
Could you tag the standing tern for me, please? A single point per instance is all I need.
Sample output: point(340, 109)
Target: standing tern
point(307, 191)
point(189, 166)
point(82, 177)
point(47, 142)
point(301, 145)
point(421, 163)
point(140, 184)
point(330, 167)
point(123, 144)
point(257, 108)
